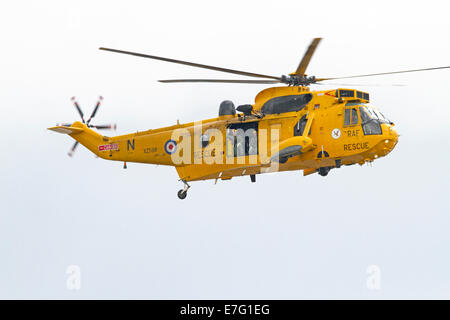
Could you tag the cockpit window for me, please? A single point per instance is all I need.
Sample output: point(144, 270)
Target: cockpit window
point(351, 117)
point(367, 114)
point(370, 121)
point(381, 117)
point(372, 114)
point(347, 117)
point(354, 116)
point(365, 117)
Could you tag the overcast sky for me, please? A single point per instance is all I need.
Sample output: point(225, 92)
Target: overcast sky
point(286, 236)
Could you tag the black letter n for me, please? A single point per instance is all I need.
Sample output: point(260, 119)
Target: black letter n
point(129, 144)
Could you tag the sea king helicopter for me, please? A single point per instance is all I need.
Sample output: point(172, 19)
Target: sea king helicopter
point(287, 128)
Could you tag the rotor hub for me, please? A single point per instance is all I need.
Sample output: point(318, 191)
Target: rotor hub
point(294, 80)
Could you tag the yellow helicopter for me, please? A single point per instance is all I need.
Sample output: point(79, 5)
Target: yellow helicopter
point(287, 128)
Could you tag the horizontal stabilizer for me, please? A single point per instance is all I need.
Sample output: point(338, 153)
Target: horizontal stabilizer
point(66, 130)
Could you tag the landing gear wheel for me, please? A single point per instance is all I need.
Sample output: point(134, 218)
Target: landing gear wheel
point(182, 194)
point(324, 171)
point(283, 160)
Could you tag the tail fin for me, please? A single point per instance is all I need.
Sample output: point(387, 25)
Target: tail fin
point(81, 133)
point(66, 130)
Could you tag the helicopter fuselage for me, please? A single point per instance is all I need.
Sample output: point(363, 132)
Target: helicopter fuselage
point(295, 128)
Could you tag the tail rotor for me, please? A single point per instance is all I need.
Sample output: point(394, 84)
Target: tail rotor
point(88, 122)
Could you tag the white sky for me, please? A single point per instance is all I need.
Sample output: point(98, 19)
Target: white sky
point(287, 236)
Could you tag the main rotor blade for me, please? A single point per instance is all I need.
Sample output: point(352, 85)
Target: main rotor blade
point(221, 81)
point(361, 84)
point(382, 73)
point(300, 72)
point(197, 65)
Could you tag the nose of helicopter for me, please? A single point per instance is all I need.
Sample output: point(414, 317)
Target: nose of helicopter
point(390, 139)
point(387, 144)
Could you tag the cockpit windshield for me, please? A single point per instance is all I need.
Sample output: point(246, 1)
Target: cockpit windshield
point(371, 120)
point(381, 117)
point(369, 113)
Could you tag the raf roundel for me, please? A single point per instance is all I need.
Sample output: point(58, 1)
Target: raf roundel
point(170, 146)
point(336, 133)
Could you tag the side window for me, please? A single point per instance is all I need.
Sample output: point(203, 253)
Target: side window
point(300, 126)
point(351, 117)
point(347, 117)
point(364, 116)
point(354, 116)
point(204, 140)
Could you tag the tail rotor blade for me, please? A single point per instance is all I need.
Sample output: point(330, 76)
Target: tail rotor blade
point(105, 126)
point(78, 108)
point(70, 153)
point(80, 112)
point(94, 112)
